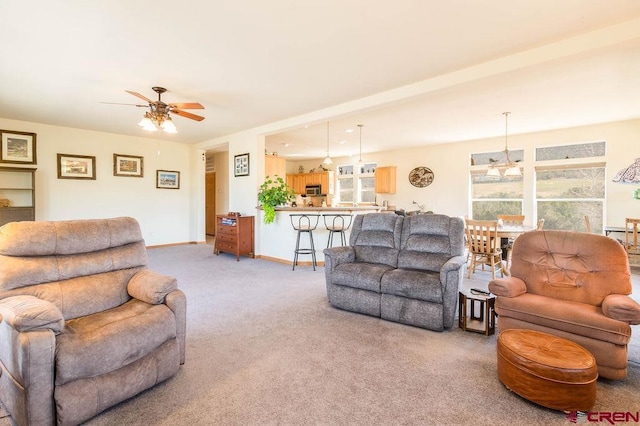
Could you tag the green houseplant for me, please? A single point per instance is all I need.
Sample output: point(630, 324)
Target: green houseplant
point(273, 193)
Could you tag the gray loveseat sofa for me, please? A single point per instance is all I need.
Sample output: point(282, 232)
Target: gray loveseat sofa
point(85, 324)
point(402, 269)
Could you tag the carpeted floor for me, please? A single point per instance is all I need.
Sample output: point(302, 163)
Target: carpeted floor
point(264, 347)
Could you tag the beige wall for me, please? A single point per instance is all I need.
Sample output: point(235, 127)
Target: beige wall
point(165, 215)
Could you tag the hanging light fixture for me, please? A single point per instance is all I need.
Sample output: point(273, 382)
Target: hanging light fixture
point(360, 163)
point(157, 118)
point(511, 167)
point(327, 160)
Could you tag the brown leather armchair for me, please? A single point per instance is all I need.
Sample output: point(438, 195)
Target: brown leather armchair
point(572, 285)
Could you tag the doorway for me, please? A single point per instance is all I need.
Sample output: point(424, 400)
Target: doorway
point(210, 203)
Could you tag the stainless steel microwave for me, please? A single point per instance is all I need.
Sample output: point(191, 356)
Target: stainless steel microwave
point(312, 190)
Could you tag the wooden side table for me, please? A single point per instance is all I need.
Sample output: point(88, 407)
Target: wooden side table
point(234, 234)
point(476, 312)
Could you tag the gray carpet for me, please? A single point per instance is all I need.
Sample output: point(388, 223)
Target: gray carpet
point(265, 348)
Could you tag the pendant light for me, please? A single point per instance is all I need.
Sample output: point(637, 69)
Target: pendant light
point(360, 163)
point(327, 160)
point(511, 167)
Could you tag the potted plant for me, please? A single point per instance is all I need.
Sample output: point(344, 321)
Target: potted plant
point(274, 193)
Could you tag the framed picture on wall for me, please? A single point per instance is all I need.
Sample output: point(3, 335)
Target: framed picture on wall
point(241, 165)
point(17, 147)
point(167, 179)
point(127, 165)
point(76, 166)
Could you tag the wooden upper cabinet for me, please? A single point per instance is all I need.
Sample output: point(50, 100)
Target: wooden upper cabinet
point(275, 166)
point(386, 180)
point(300, 181)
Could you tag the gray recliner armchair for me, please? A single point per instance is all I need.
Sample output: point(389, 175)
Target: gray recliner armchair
point(85, 325)
point(402, 269)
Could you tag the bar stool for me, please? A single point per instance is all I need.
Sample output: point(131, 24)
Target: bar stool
point(304, 223)
point(337, 224)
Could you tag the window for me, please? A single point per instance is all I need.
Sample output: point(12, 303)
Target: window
point(494, 195)
point(566, 195)
point(570, 186)
point(356, 185)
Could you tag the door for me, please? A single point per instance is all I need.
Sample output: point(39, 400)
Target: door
point(210, 203)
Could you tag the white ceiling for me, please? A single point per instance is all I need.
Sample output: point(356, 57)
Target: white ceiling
point(253, 62)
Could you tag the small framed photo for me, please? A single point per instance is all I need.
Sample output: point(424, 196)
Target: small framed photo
point(127, 165)
point(167, 179)
point(76, 166)
point(18, 147)
point(241, 165)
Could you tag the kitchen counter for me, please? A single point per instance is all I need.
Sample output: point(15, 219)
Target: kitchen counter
point(332, 209)
point(278, 239)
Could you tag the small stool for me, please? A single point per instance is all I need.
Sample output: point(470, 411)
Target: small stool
point(548, 370)
point(337, 224)
point(304, 223)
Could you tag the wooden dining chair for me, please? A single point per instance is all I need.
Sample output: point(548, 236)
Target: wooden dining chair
point(631, 236)
point(510, 220)
point(484, 246)
point(540, 225)
point(587, 224)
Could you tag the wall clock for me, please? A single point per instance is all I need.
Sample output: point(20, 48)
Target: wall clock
point(421, 177)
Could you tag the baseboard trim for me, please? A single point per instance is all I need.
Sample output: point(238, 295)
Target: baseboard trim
point(288, 262)
point(176, 244)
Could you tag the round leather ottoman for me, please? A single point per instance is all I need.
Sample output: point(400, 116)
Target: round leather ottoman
point(548, 370)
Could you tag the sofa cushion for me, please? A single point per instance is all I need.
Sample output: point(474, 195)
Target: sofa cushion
point(106, 341)
point(573, 317)
point(365, 276)
point(413, 284)
point(376, 238)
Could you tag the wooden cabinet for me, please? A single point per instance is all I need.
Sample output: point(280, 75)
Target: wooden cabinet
point(17, 185)
point(275, 166)
point(386, 180)
point(300, 181)
point(234, 234)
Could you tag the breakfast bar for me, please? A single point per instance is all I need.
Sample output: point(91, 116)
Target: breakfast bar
point(278, 239)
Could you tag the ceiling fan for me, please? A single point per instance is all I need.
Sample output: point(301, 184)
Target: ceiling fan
point(159, 114)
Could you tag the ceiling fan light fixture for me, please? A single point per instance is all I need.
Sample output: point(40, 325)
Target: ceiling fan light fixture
point(146, 121)
point(168, 126)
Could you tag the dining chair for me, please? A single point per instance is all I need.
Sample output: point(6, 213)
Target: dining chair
point(484, 246)
point(587, 224)
point(631, 236)
point(510, 220)
point(540, 225)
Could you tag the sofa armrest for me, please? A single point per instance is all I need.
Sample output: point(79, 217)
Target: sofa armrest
point(27, 313)
point(151, 287)
point(622, 308)
point(338, 255)
point(456, 263)
point(507, 287)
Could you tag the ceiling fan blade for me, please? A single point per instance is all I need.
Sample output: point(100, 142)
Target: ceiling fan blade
point(186, 114)
point(118, 103)
point(187, 105)
point(144, 98)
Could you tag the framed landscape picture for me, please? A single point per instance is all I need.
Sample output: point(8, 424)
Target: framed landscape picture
point(17, 147)
point(167, 179)
point(76, 166)
point(127, 165)
point(241, 165)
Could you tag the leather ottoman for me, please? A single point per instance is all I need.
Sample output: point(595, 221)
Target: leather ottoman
point(548, 370)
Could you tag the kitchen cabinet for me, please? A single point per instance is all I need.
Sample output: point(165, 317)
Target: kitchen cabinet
point(17, 186)
point(300, 181)
point(234, 234)
point(385, 180)
point(274, 165)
